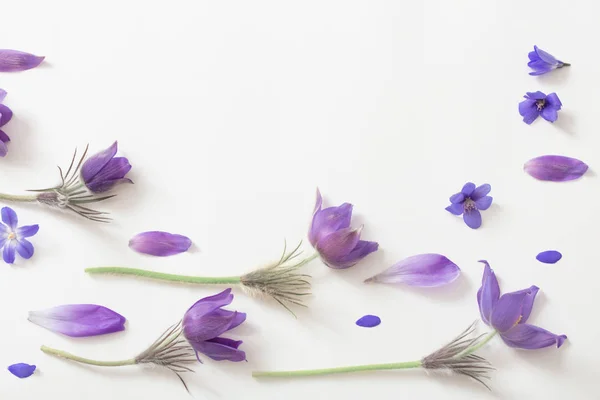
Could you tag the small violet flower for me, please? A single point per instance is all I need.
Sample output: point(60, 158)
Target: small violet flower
point(542, 62)
point(22, 370)
point(508, 314)
point(14, 60)
point(536, 104)
point(5, 116)
point(206, 320)
point(12, 238)
point(469, 201)
point(101, 172)
point(79, 320)
point(330, 234)
point(160, 244)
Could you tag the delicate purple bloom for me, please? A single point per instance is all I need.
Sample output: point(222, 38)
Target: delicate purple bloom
point(79, 320)
point(160, 244)
point(22, 370)
point(368, 321)
point(103, 171)
point(13, 61)
point(555, 168)
point(542, 62)
point(206, 320)
point(469, 201)
point(13, 238)
point(549, 257)
point(6, 115)
point(536, 104)
point(423, 270)
point(508, 314)
point(330, 234)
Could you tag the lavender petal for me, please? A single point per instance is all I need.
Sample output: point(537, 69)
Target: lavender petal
point(24, 248)
point(545, 56)
point(468, 189)
point(160, 244)
point(368, 321)
point(112, 174)
point(423, 270)
point(8, 254)
point(481, 191)
point(507, 312)
point(208, 304)
point(484, 203)
point(531, 337)
point(6, 115)
point(549, 256)
point(14, 60)
point(555, 168)
point(79, 320)
point(549, 114)
point(472, 218)
point(221, 349)
point(338, 244)
point(328, 221)
point(553, 101)
point(456, 209)
point(93, 165)
point(22, 370)
point(9, 217)
point(529, 111)
point(236, 317)
point(208, 326)
point(528, 301)
point(488, 294)
point(362, 249)
point(27, 231)
point(457, 198)
point(3, 136)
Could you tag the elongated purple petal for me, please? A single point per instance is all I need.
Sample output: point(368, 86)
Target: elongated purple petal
point(14, 60)
point(9, 217)
point(508, 311)
point(549, 256)
point(368, 321)
point(221, 349)
point(95, 163)
point(160, 244)
point(27, 231)
point(468, 189)
point(549, 114)
point(456, 209)
point(531, 337)
point(457, 198)
point(22, 370)
point(553, 101)
point(555, 168)
point(536, 95)
point(423, 270)
point(481, 191)
point(208, 304)
point(6, 115)
point(24, 248)
point(484, 203)
point(8, 253)
point(79, 320)
point(472, 218)
point(328, 221)
point(528, 301)
point(488, 293)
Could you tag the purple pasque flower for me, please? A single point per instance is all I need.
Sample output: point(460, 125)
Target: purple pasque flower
point(469, 201)
point(508, 314)
point(14, 60)
point(542, 62)
point(536, 104)
point(160, 244)
point(6, 115)
point(102, 171)
point(423, 270)
point(330, 234)
point(13, 238)
point(205, 321)
point(79, 320)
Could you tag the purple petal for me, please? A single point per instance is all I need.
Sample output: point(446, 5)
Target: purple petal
point(335, 246)
point(93, 165)
point(160, 244)
point(549, 256)
point(8, 254)
point(4, 137)
point(3, 149)
point(112, 174)
point(528, 301)
point(2, 95)
point(544, 56)
point(423, 270)
point(236, 320)
point(457, 198)
point(207, 326)
point(553, 101)
point(318, 202)
point(328, 221)
point(362, 249)
point(22, 370)
point(484, 203)
point(555, 168)
point(508, 311)
point(540, 71)
point(27, 231)
point(472, 218)
point(221, 349)
point(456, 209)
point(549, 114)
point(529, 111)
point(468, 188)
point(368, 321)
point(488, 294)
point(531, 337)
point(14, 60)
point(6, 114)
point(9, 217)
point(536, 95)
point(79, 320)
point(533, 55)
point(24, 248)
point(208, 304)
point(481, 191)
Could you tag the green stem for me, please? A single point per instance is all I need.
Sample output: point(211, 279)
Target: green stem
point(72, 357)
point(202, 280)
point(340, 370)
point(479, 345)
point(23, 199)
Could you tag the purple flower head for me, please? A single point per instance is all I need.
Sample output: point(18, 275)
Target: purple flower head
point(536, 104)
point(330, 234)
point(5, 116)
point(206, 320)
point(542, 62)
point(508, 314)
point(14, 60)
point(12, 237)
point(79, 320)
point(101, 172)
point(469, 201)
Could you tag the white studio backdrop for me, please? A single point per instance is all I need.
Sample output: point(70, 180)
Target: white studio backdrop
point(232, 113)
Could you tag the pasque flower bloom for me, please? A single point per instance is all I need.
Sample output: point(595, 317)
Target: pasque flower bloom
point(102, 171)
point(542, 62)
point(536, 104)
point(14, 60)
point(330, 234)
point(13, 238)
point(469, 201)
point(79, 320)
point(5, 116)
point(508, 314)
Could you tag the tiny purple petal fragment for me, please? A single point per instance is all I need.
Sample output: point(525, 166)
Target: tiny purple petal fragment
point(549, 257)
point(555, 168)
point(79, 320)
point(424, 270)
point(14, 60)
point(22, 370)
point(160, 244)
point(368, 321)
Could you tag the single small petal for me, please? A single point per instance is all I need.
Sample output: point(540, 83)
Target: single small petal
point(536, 95)
point(533, 56)
point(24, 248)
point(14, 60)
point(338, 244)
point(484, 203)
point(549, 114)
point(362, 249)
point(481, 191)
point(221, 349)
point(457, 198)
point(508, 311)
point(4, 137)
point(8, 254)
point(531, 337)
point(160, 244)
point(549, 256)
point(27, 231)
point(6, 115)
point(553, 101)
point(93, 165)
point(528, 301)
point(488, 294)
point(3, 149)
point(528, 110)
point(79, 320)
point(555, 168)
point(468, 189)
point(236, 317)
point(9, 217)
point(328, 221)
point(22, 370)
point(456, 209)
point(423, 270)
point(472, 218)
point(368, 321)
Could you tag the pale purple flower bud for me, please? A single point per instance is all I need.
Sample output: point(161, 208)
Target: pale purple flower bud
point(160, 244)
point(14, 60)
point(555, 168)
point(423, 270)
point(79, 320)
point(101, 172)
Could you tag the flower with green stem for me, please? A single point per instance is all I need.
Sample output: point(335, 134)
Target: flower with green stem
point(279, 280)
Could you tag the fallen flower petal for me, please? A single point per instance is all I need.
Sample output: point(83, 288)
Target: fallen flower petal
point(368, 321)
point(22, 370)
point(79, 320)
point(424, 270)
point(160, 244)
point(555, 168)
point(549, 257)
point(14, 60)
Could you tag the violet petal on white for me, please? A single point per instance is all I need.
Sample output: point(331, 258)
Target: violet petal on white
point(160, 244)
point(423, 270)
point(555, 168)
point(79, 320)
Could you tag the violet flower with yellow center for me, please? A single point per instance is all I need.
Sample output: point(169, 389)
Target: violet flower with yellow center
point(13, 238)
point(469, 201)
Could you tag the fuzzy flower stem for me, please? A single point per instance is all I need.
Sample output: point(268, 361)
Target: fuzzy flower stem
point(202, 280)
point(22, 199)
point(339, 370)
point(69, 356)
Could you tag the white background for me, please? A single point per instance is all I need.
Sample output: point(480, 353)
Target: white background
point(232, 113)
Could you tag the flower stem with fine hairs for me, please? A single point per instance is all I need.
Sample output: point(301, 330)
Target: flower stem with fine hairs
point(338, 370)
point(227, 280)
point(72, 357)
point(17, 198)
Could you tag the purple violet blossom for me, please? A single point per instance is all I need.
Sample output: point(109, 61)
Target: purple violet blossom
point(22, 370)
point(536, 104)
point(542, 62)
point(555, 168)
point(14, 60)
point(508, 314)
point(160, 244)
point(469, 201)
point(12, 237)
point(330, 234)
point(206, 320)
point(423, 270)
point(79, 320)
point(6, 115)
point(102, 171)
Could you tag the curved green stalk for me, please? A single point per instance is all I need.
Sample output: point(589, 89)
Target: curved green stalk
point(339, 370)
point(227, 280)
point(72, 357)
point(22, 199)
